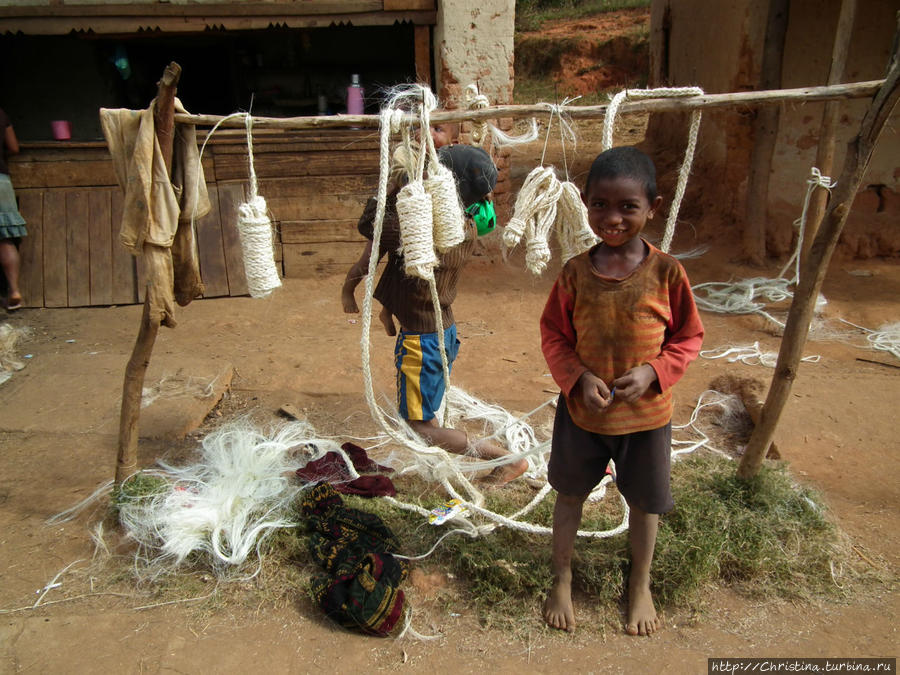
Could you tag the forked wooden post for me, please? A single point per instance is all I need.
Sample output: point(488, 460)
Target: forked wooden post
point(812, 271)
point(132, 388)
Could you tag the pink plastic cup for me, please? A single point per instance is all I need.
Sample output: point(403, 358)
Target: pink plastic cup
point(62, 129)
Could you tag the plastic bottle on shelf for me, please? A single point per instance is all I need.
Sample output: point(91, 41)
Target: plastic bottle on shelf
point(355, 93)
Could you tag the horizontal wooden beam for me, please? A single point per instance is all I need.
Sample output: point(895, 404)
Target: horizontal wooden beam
point(746, 99)
point(284, 8)
point(153, 23)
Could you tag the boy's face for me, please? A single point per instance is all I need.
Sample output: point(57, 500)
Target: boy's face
point(441, 134)
point(618, 209)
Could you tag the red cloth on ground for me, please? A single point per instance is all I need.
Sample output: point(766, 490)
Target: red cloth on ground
point(332, 468)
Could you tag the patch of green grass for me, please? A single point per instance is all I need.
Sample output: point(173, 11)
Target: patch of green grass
point(531, 14)
point(764, 537)
point(141, 484)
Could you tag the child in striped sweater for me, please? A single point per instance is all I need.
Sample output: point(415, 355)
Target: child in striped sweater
point(618, 330)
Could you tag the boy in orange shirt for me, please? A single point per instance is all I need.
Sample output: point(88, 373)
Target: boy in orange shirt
point(618, 330)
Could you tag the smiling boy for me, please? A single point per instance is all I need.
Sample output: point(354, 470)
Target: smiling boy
point(618, 331)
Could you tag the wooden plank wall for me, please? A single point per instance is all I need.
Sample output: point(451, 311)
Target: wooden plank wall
point(315, 184)
point(72, 256)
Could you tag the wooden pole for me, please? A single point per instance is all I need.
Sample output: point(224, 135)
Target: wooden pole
point(765, 135)
point(812, 272)
point(132, 388)
point(743, 99)
point(825, 150)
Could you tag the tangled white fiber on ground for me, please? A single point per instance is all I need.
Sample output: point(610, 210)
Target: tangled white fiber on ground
point(886, 338)
point(751, 355)
point(740, 297)
point(224, 505)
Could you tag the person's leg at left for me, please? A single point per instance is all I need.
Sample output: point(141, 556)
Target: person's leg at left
point(9, 261)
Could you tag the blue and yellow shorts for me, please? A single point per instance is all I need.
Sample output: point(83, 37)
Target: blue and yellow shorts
point(420, 375)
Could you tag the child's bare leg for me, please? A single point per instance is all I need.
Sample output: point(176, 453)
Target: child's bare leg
point(457, 442)
point(9, 260)
point(641, 618)
point(504, 473)
point(559, 612)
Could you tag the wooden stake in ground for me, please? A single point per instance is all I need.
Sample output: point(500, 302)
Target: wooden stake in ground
point(812, 272)
point(132, 388)
point(765, 135)
point(825, 150)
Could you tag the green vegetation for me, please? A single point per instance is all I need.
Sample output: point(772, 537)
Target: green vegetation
point(531, 14)
point(765, 538)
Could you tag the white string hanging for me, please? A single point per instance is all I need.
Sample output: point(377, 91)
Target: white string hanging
point(685, 170)
point(499, 138)
point(477, 101)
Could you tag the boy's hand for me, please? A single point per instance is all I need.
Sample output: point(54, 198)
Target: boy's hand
point(632, 385)
point(594, 392)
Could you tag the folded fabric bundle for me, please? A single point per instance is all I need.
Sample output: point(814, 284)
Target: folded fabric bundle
point(361, 585)
point(332, 469)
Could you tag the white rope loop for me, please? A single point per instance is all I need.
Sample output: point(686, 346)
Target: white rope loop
point(685, 170)
point(816, 179)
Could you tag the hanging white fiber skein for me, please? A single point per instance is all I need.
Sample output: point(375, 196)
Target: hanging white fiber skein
point(415, 213)
point(572, 229)
point(447, 213)
point(257, 239)
point(534, 215)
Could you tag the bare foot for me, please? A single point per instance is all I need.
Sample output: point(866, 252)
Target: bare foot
point(558, 609)
point(348, 300)
point(387, 320)
point(506, 473)
point(642, 618)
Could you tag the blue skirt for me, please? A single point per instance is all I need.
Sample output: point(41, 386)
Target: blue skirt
point(12, 224)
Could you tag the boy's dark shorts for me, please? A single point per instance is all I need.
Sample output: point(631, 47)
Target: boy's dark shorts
point(578, 460)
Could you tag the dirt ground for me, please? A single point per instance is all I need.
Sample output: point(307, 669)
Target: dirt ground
point(59, 420)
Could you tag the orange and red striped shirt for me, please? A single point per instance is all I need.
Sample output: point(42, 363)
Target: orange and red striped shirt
point(607, 326)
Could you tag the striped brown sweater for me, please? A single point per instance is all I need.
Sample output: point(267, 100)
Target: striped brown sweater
point(409, 298)
point(607, 326)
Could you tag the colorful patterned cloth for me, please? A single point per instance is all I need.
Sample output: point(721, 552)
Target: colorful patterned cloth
point(361, 585)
